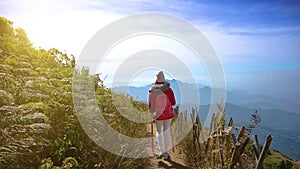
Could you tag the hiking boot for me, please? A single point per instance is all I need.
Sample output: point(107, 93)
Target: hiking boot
point(166, 156)
point(160, 155)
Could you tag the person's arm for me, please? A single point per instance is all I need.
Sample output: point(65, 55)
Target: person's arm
point(171, 97)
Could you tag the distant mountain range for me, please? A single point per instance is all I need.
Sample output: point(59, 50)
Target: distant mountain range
point(280, 118)
point(233, 96)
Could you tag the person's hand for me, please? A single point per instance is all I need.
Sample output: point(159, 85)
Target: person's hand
point(149, 116)
point(154, 115)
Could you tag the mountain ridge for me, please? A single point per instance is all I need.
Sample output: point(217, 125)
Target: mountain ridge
point(237, 97)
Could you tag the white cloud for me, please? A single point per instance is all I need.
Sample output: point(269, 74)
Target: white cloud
point(257, 47)
point(180, 57)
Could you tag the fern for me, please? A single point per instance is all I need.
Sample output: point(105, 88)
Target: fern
point(254, 119)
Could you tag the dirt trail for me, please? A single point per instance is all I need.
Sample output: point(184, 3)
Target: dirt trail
point(175, 162)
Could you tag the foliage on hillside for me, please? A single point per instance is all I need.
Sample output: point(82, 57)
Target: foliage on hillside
point(38, 126)
point(276, 160)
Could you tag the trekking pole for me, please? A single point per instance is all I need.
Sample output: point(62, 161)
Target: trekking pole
point(152, 139)
point(171, 130)
point(172, 141)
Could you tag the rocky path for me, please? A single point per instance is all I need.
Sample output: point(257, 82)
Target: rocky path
point(175, 162)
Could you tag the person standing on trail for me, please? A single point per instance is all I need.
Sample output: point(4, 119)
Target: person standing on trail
point(161, 100)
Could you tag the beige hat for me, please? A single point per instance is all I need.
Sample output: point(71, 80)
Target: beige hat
point(160, 77)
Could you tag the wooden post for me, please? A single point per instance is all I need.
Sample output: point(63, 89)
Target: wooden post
point(201, 135)
point(219, 142)
point(255, 152)
point(212, 122)
point(254, 148)
point(244, 145)
point(230, 123)
point(235, 155)
point(207, 145)
point(192, 116)
point(195, 135)
point(241, 152)
point(256, 143)
point(227, 141)
point(199, 131)
point(264, 152)
point(241, 133)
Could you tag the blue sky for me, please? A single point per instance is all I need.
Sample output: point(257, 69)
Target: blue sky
point(258, 42)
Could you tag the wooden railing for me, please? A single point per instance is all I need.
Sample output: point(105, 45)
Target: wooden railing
point(221, 148)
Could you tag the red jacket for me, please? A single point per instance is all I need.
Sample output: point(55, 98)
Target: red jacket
point(161, 99)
